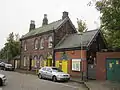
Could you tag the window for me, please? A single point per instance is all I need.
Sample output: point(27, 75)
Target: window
point(36, 44)
point(41, 43)
point(56, 70)
point(25, 46)
point(41, 61)
point(50, 42)
point(76, 64)
point(35, 61)
point(44, 69)
point(25, 61)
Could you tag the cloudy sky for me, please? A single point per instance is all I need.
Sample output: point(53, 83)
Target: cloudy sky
point(15, 15)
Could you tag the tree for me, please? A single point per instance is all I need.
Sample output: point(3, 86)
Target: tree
point(11, 48)
point(110, 21)
point(82, 27)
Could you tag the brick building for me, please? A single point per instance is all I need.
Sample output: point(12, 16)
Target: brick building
point(37, 46)
point(76, 54)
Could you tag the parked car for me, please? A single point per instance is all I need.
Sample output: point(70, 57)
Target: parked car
point(8, 67)
point(2, 79)
point(53, 73)
point(2, 65)
point(5, 66)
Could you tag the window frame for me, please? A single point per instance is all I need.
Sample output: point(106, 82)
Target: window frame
point(36, 44)
point(25, 46)
point(50, 40)
point(35, 58)
point(24, 61)
point(41, 43)
point(41, 60)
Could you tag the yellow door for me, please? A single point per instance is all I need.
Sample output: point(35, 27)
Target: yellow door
point(57, 64)
point(65, 66)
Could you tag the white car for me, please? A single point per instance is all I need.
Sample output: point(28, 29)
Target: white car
point(53, 73)
point(2, 79)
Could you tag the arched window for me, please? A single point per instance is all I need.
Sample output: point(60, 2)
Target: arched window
point(36, 44)
point(25, 61)
point(25, 45)
point(35, 61)
point(50, 41)
point(41, 61)
point(41, 43)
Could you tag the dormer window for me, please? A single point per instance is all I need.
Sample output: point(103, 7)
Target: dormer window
point(36, 44)
point(25, 46)
point(41, 43)
point(50, 42)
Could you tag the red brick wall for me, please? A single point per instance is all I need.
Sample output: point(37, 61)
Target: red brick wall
point(101, 60)
point(73, 55)
point(30, 48)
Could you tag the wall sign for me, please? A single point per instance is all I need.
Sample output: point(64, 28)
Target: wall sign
point(76, 64)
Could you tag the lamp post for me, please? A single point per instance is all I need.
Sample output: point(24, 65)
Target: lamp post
point(81, 51)
point(81, 48)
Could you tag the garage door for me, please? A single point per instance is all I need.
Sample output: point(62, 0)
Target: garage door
point(113, 69)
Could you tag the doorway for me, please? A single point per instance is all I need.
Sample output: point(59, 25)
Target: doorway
point(113, 69)
point(30, 63)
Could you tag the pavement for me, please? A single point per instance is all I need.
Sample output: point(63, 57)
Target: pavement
point(90, 84)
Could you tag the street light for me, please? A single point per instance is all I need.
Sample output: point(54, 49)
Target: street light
point(81, 48)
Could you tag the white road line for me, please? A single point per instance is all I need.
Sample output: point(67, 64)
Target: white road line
point(64, 85)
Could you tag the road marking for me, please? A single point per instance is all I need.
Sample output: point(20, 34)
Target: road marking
point(65, 85)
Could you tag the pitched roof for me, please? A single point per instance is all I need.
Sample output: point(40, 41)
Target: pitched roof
point(45, 28)
point(74, 40)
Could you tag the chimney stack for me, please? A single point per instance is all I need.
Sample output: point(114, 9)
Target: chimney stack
point(65, 14)
point(32, 25)
point(45, 20)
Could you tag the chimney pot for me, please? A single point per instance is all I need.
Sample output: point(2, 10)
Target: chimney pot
point(32, 25)
point(65, 14)
point(45, 20)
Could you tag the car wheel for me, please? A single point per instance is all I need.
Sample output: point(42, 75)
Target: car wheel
point(54, 78)
point(1, 83)
point(40, 76)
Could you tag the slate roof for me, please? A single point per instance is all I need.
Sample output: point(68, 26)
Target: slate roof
point(73, 40)
point(45, 28)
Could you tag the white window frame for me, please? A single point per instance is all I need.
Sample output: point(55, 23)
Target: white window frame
point(35, 58)
point(41, 43)
point(76, 65)
point(25, 46)
point(50, 40)
point(25, 61)
point(36, 44)
point(41, 61)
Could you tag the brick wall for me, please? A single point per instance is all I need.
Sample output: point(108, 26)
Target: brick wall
point(73, 54)
point(101, 61)
point(31, 51)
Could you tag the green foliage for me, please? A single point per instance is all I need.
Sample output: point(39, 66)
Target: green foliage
point(11, 48)
point(81, 25)
point(110, 21)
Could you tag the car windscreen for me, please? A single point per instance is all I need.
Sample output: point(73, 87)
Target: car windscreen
point(56, 70)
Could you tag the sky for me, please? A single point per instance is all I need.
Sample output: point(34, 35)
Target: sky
point(15, 15)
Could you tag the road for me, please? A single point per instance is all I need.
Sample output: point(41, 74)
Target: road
point(18, 81)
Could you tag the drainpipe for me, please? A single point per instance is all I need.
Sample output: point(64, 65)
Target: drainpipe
point(20, 52)
point(53, 47)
